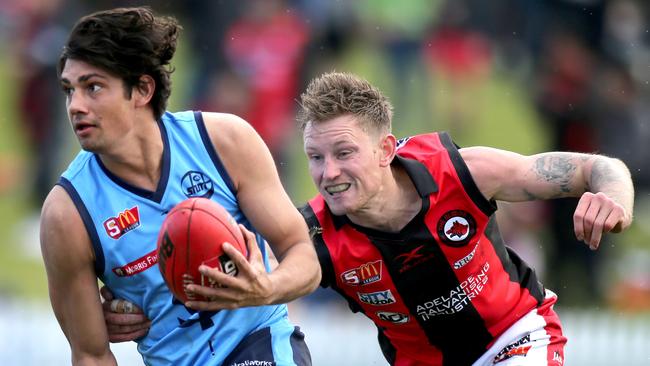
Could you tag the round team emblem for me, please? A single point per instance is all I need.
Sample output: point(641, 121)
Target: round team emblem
point(197, 184)
point(456, 228)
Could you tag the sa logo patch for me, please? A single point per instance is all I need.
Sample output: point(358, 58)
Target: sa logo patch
point(456, 228)
point(122, 223)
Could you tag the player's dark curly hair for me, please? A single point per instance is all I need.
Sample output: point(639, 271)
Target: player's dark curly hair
point(128, 43)
point(336, 94)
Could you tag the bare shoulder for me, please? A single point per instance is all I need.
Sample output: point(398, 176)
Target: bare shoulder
point(492, 168)
point(57, 209)
point(227, 131)
point(483, 160)
point(236, 141)
point(63, 236)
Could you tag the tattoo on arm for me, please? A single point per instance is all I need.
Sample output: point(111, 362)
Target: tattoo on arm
point(557, 169)
point(602, 174)
point(531, 196)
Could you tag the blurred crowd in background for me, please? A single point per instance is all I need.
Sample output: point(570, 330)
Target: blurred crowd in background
point(523, 75)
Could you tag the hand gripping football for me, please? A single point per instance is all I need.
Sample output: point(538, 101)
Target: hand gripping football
point(191, 235)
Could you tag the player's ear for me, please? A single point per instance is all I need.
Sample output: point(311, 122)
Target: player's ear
point(143, 91)
point(388, 148)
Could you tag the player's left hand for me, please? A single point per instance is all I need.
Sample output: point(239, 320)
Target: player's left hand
point(597, 214)
point(124, 320)
point(251, 287)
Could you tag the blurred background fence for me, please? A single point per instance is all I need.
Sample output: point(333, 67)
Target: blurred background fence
point(522, 75)
point(32, 336)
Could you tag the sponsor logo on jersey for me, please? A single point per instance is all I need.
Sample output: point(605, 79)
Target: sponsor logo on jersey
point(197, 184)
point(364, 274)
point(413, 258)
point(401, 142)
point(389, 316)
point(458, 298)
point(141, 264)
point(517, 348)
point(122, 223)
point(253, 363)
point(456, 228)
point(466, 259)
point(558, 357)
point(378, 298)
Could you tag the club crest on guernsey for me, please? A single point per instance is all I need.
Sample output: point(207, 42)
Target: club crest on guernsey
point(456, 228)
point(197, 184)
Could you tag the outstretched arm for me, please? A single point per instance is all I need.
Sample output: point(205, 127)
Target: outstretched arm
point(72, 282)
point(603, 184)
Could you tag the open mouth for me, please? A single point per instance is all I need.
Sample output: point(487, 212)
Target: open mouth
point(338, 188)
point(82, 127)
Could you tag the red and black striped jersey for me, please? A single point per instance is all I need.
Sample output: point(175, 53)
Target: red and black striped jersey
point(443, 288)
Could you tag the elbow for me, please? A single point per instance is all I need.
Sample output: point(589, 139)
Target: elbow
point(84, 358)
point(91, 353)
point(315, 280)
point(313, 275)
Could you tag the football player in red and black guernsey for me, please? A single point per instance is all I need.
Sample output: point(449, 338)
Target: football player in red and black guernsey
point(405, 230)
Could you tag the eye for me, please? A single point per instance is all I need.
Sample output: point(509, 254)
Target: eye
point(314, 157)
point(67, 90)
point(94, 88)
point(344, 154)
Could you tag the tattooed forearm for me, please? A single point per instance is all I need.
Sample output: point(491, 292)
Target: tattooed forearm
point(602, 174)
point(557, 169)
point(529, 196)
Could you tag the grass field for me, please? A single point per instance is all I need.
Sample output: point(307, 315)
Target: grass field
point(20, 274)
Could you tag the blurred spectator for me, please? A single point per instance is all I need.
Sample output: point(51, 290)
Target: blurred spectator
point(625, 86)
point(332, 24)
point(209, 21)
point(459, 58)
point(266, 49)
point(565, 73)
point(38, 43)
point(227, 92)
point(398, 28)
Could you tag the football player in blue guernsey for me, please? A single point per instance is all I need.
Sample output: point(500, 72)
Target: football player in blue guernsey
point(137, 162)
point(405, 231)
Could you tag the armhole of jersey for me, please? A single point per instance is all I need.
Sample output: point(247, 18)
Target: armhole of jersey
point(209, 147)
point(488, 207)
point(328, 278)
point(387, 348)
point(88, 223)
point(324, 257)
point(518, 270)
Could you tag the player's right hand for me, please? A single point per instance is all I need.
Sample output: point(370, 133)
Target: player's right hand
point(597, 214)
point(124, 320)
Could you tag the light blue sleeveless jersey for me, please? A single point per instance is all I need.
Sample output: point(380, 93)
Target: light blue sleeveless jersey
point(123, 223)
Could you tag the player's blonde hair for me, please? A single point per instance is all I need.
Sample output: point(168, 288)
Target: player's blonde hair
point(336, 94)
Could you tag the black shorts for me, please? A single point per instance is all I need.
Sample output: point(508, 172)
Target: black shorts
point(271, 346)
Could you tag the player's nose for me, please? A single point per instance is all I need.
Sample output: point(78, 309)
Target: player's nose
point(77, 104)
point(331, 169)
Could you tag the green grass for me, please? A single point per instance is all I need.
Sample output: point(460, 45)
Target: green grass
point(20, 275)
